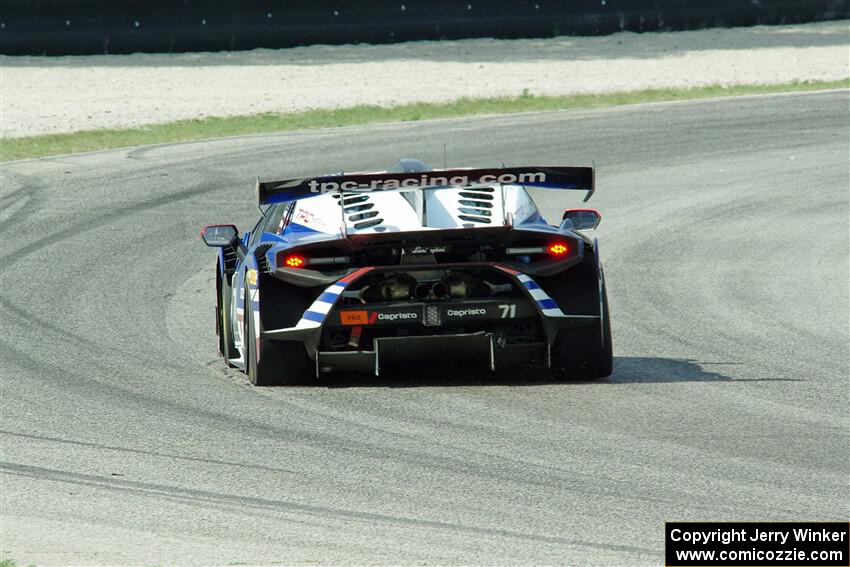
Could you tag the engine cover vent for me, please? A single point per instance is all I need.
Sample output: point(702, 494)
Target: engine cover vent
point(360, 210)
point(473, 206)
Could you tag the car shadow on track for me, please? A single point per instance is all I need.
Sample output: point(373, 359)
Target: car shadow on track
point(627, 370)
point(648, 370)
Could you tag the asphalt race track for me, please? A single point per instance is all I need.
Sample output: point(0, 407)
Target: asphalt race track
point(725, 242)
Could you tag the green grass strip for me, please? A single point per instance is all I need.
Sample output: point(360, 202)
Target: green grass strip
point(184, 130)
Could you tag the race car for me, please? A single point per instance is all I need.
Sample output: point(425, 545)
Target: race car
point(363, 272)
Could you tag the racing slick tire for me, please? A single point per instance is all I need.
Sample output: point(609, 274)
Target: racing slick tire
point(585, 352)
point(280, 363)
point(226, 347)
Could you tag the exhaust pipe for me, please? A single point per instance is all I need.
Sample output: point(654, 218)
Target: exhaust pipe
point(437, 290)
point(462, 285)
point(440, 290)
point(396, 287)
point(422, 291)
point(402, 288)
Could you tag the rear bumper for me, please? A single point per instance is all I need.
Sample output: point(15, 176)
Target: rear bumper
point(472, 332)
point(354, 337)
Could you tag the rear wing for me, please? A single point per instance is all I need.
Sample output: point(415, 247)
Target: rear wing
point(578, 178)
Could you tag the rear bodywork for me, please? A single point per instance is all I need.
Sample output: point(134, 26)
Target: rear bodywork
point(365, 277)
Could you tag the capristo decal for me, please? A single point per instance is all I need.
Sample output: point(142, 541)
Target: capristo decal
point(404, 316)
point(471, 312)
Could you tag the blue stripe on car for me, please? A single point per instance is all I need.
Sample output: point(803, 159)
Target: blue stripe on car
point(327, 297)
point(313, 316)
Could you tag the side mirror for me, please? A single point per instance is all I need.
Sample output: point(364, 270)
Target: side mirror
point(218, 235)
point(582, 219)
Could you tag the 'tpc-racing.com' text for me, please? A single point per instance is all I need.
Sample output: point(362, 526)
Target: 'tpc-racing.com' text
point(426, 181)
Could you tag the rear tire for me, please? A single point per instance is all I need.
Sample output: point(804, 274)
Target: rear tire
point(226, 347)
point(584, 353)
point(280, 363)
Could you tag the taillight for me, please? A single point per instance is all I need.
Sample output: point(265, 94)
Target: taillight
point(294, 261)
point(558, 249)
point(315, 261)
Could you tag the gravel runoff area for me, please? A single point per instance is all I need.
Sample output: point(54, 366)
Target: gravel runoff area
point(44, 95)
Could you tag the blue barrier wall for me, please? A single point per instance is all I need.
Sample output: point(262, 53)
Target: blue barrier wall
point(58, 27)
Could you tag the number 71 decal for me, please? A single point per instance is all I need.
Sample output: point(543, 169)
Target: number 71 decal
point(508, 310)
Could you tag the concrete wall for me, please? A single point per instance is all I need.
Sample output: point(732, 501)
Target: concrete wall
point(59, 27)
